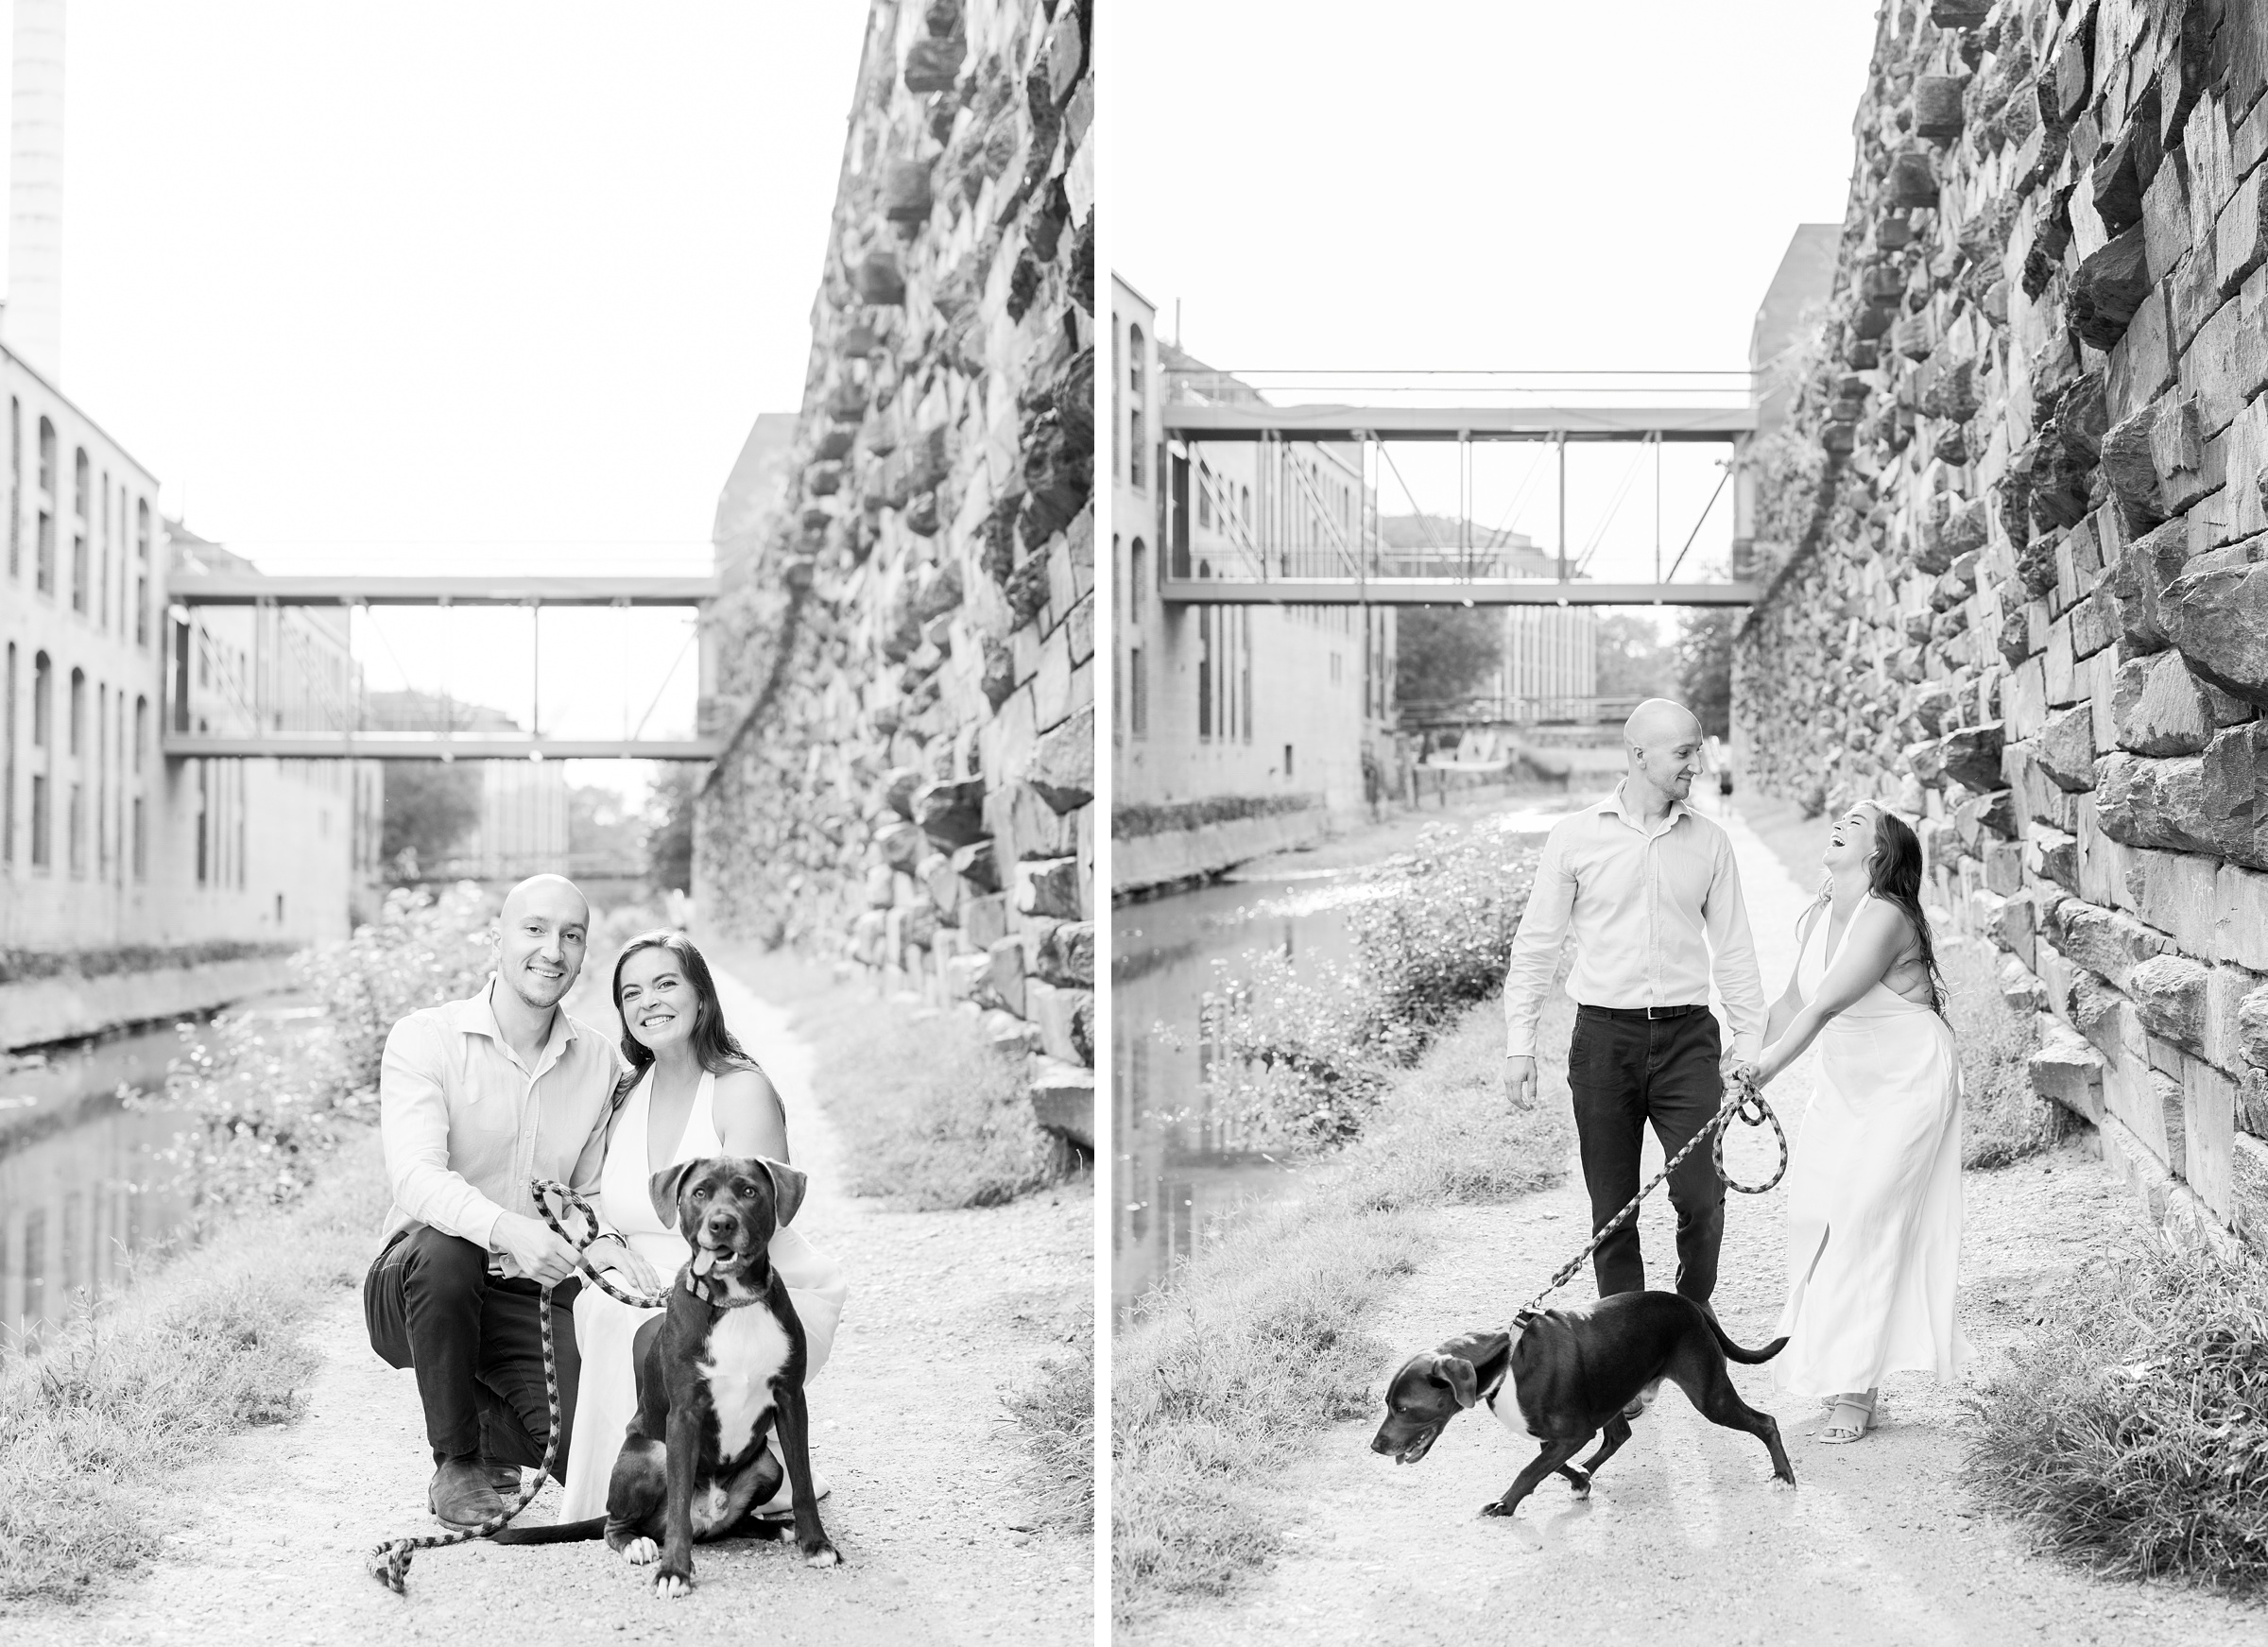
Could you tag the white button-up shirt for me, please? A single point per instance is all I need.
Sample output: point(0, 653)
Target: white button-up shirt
point(466, 1124)
point(1650, 910)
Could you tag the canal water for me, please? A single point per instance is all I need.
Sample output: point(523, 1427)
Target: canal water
point(1183, 1166)
point(83, 1180)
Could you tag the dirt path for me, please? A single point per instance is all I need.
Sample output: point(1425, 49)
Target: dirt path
point(1685, 1531)
point(946, 1310)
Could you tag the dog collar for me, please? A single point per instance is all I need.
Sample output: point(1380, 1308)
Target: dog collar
point(711, 1295)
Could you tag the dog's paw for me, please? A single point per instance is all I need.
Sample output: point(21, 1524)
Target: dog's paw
point(821, 1554)
point(641, 1551)
point(670, 1587)
point(1785, 1484)
point(1496, 1507)
point(1580, 1487)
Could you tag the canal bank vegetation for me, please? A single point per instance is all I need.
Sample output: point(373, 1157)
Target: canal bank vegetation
point(27, 966)
point(1391, 1070)
point(1136, 821)
point(2129, 1429)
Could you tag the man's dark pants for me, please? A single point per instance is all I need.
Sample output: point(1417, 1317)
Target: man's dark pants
point(1625, 1071)
point(476, 1342)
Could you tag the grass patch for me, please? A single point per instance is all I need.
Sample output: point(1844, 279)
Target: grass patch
point(1223, 1376)
point(2005, 1120)
point(125, 1397)
point(929, 1112)
point(1053, 1413)
point(2131, 1432)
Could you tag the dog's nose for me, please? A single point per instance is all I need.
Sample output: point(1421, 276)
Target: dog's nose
point(1379, 1444)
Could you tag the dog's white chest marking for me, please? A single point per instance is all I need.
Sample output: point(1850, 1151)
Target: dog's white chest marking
point(1505, 1405)
point(747, 1349)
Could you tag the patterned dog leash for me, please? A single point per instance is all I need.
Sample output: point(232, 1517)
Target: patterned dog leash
point(1746, 1100)
point(389, 1562)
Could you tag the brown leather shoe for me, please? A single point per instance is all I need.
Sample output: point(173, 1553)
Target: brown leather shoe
point(462, 1496)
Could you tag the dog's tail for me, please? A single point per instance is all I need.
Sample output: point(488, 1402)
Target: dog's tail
point(1734, 1353)
point(564, 1532)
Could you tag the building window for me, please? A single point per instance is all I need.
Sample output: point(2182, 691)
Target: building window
point(1141, 580)
point(42, 738)
point(142, 574)
point(80, 474)
point(78, 572)
point(141, 732)
point(1205, 672)
point(15, 486)
point(48, 457)
point(110, 546)
point(1135, 477)
point(78, 723)
point(1204, 495)
point(1137, 372)
point(1243, 690)
point(141, 844)
point(45, 550)
point(1138, 693)
point(75, 820)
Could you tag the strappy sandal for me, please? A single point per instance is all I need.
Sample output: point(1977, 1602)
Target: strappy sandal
point(1840, 1434)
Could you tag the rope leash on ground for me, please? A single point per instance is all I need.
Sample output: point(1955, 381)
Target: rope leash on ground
point(389, 1562)
point(1745, 1099)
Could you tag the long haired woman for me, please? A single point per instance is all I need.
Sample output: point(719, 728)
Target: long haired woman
point(690, 1092)
point(1874, 1191)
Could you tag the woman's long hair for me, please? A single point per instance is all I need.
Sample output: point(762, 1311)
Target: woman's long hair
point(712, 1043)
point(1893, 875)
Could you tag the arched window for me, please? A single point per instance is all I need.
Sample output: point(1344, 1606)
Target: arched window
point(47, 456)
point(8, 768)
point(78, 483)
point(42, 732)
point(1136, 376)
point(142, 574)
point(15, 487)
point(79, 715)
point(1140, 566)
point(1135, 437)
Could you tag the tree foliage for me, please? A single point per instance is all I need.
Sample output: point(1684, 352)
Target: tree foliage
point(430, 807)
point(1635, 660)
point(669, 828)
point(1704, 666)
point(1445, 652)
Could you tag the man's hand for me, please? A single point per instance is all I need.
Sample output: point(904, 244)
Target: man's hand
point(1520, 1080)
point(540, 1254)
point(624, 1261)
point(1736, 1067)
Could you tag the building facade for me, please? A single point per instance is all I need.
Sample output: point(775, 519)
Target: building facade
point(82, 650)
point(1264, 704)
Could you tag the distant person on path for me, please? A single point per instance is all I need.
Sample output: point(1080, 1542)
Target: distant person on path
point(474, 1099)
point(693, 1093)
point(1652, 895)
point(1874, 1189)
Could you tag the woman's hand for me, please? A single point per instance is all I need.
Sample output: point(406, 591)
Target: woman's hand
point(627, 1262)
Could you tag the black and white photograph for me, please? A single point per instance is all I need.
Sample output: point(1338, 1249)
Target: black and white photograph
point(1689, 949)
point(547, 822)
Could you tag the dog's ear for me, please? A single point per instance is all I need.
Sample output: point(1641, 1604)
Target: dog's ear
point(664, 1185)
point(1464, 1383)
point(788, 1184)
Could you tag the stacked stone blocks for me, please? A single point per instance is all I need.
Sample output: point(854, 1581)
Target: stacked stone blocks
point(2026, 599)
point(910, 695)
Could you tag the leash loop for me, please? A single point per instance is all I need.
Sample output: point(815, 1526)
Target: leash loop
point(1746, 1100)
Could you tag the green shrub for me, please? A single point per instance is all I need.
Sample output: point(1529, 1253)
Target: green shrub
point(1132, 822)
point(266, 1106)
point(22, 966)
point(2131, 1429)
point(1310, 1049)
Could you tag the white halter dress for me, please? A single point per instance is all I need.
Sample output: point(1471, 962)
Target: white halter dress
point(606, 1399)
point(1874, 1195)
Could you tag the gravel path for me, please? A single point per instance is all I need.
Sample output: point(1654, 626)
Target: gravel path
point(1685, 1531)
point(947, 1309)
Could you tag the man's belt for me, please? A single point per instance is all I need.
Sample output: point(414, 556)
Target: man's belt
point(1643, 1014)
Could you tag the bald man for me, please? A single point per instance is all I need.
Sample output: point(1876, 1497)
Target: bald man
point(474, 1098)
point(1649, 890)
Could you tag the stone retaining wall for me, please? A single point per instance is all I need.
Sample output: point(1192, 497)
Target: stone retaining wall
point(2018, 589)
point(908, 676)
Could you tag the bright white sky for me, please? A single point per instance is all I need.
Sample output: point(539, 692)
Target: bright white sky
point(496, 285)
point(1483, 183)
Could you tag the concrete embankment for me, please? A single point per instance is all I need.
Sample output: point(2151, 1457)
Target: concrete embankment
point(67, 1007)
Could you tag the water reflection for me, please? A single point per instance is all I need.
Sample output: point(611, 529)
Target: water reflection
point(1183, 1164)
point(82, 1182)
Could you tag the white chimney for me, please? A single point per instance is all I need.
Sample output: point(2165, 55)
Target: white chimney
point(34, 316)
